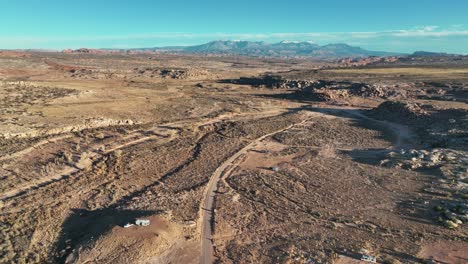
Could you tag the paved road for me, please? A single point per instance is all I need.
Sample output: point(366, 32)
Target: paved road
point(207, 209)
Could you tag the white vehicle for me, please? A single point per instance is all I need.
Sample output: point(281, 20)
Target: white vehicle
point(368, 258)
point(142, 222)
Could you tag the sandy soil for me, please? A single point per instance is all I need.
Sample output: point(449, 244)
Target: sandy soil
point(445, 252)
point(228, 171)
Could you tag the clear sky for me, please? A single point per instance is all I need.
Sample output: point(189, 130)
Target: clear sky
point(391, 25)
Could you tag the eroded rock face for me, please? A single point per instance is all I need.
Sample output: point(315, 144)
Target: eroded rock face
point(273, 82)
point(377, 90)
point(353, 62)
point(414, 159)
point(437, 127)
point(323, 89)
point(329, 90)
point(451, 164)
point(398, 111)
point(139, 72)
point(189, 73)
point(87, 124)
point(332, 90)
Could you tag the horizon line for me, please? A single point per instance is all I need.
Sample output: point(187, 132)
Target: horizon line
point(215, 40)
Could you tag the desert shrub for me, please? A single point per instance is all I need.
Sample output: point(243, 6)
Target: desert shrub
point(390, 260)
point(327, 151)
point(118, 153)
point(67, 156)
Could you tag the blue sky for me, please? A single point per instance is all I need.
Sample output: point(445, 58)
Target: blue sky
point(393, 25)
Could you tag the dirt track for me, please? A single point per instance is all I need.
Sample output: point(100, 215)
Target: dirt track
point(89, 143)
point(207, 209)
point(94, 156)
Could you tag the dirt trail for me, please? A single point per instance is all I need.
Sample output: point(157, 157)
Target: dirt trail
point(94, 155)
point(206, 209)
point(403, 138)
point(163, 132)
point(33, 147)
point(403, 134)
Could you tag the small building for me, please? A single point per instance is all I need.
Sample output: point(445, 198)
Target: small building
point(142, 222)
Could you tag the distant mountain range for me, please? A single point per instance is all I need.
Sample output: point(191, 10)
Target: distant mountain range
point(281, 49)
point(264, 49)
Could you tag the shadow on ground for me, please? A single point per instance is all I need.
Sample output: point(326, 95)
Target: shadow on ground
point(296, 96)
point(84, 226)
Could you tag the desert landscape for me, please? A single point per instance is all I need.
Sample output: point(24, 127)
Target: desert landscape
point(232, 159)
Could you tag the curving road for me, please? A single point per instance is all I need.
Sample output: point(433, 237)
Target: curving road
point(207, 209)
point(403, 135)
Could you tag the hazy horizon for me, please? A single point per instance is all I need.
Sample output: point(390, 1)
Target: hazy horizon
point(399, 26)
point(196, 44)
